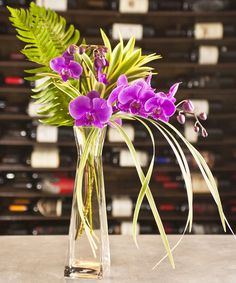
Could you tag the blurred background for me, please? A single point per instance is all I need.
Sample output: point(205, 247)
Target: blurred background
point(197, 40)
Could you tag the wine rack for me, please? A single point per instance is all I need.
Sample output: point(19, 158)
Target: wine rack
point(123, 181)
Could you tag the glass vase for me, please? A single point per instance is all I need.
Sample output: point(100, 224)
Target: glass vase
point(88, 253)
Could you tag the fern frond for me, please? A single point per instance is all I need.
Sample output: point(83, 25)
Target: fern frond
point(55, 105)
point(44, 33)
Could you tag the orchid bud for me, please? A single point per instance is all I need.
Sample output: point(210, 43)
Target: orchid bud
point(204, 133)
point(72, 49)
point(81, 50)
point(181, 118)
point(203, 116)
point(196, 129)
point(188, 106)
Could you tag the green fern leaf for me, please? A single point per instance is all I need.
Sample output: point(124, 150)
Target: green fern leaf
point(44, 31)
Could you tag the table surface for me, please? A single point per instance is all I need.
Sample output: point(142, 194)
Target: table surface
point(199, 259)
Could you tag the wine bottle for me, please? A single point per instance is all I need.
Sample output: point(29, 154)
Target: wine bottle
point(128, 30)
point(58, 185)
point(170, 5)
point(192, 136)
point(45, 157)
point(15, 81)
point(227, 55)
point(210, 5)
point(200, 30)
point(17, 3)
point(15, 131)
point(124, 206)
point(50, 230)
point(199, 184)
point(16, 229)
point(213, 30)
point(16, 56)
point(120, 207)
point(123, 157)
point(102, 4)
point(53, 4)
point(137, 6)
point(123, 228)
point(204, 55)
point(203, 105)
point(12, 159)
point(21, 206)
point(33, 109)
point(53, 207)
point(207, 81)
point(204, 208)
point(46, 134)
point(135, 134)
point(114, 136)
point(36, 132)
point(3, 104)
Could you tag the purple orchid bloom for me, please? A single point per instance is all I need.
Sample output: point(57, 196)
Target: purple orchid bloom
point(90, 110)
point(101, 62)
point(66, 66)
point(131, 98)
point(162, 106)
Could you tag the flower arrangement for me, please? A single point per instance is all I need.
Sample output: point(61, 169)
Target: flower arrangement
point(94, 86)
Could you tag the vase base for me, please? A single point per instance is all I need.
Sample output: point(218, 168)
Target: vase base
point(89, 270)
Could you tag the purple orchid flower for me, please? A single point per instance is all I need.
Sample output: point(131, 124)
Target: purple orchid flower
point(66, 66)
point(90, 110)
point(162, 106)
point(101, 62)
point(131, 98)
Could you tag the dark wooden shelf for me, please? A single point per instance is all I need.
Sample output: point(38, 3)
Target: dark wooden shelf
point(25, 64)
point(21, 64)
point(116, 14)
point(174, 218)
point(25, 117)
point(32, 218)
point(19, 117)
point(26, 143)
point(107, 169)
point(8, 192)
point(12, 90)
point(181, 93)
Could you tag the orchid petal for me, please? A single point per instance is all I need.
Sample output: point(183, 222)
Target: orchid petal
point(128, 94)
point(102, 111)
point(81, 121)
point(168, 108)
point(57, 64)
point(173, 89)
point(114, 95)
point(122, 80)
point(145, 95)
point(93, 94)
point(79, 106)
point(150, 104)
point(76, 69)
point(148, 79)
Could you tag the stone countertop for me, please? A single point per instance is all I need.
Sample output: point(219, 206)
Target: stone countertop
point(198, 259)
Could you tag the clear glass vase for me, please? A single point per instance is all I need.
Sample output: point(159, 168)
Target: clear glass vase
point(88, 253)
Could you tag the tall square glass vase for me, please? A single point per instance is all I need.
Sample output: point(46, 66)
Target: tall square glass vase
point(88, 253)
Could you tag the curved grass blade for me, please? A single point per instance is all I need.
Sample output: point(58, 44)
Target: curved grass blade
point(148, 192)
point(206, 172)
